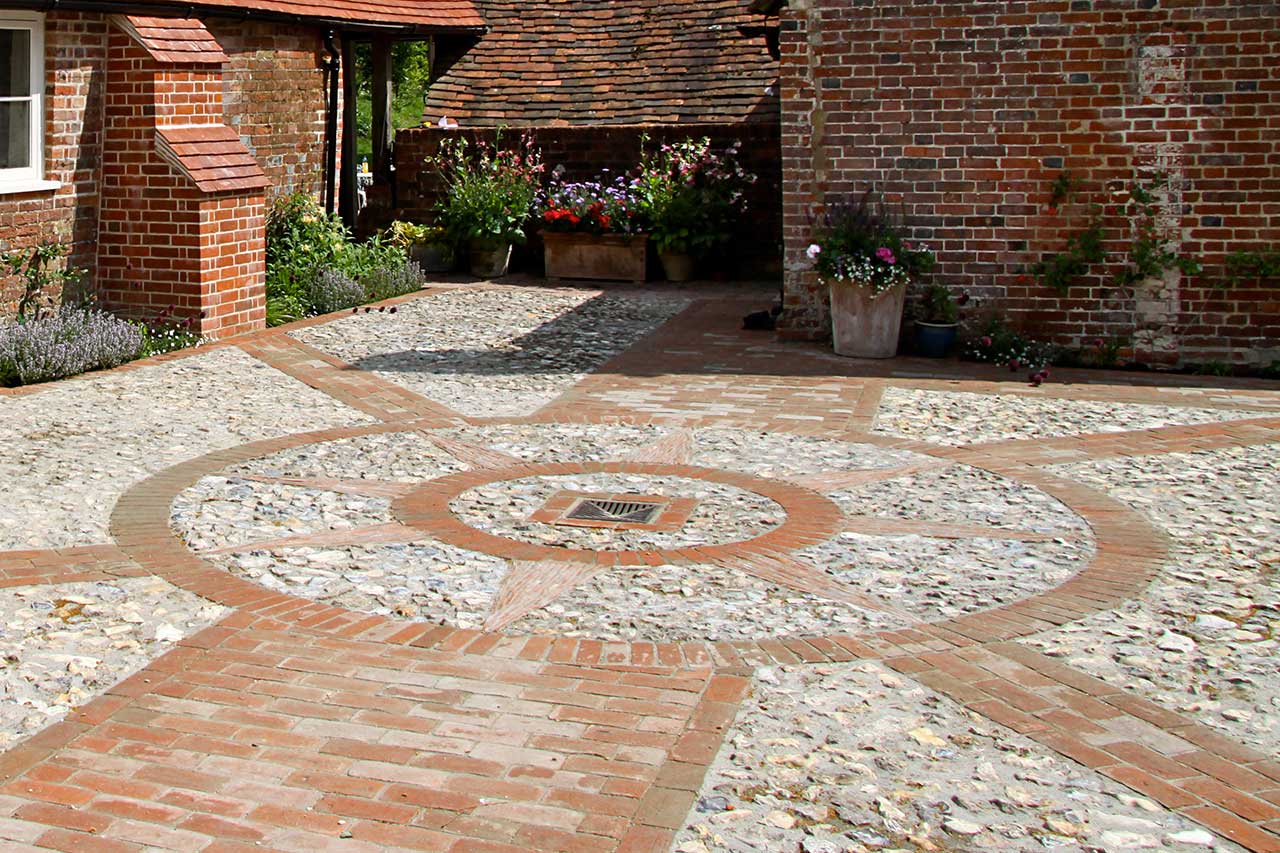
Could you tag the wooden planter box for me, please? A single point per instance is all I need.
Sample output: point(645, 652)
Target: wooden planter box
point(613, 257)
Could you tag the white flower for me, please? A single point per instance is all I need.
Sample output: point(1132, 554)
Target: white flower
point(813, 251)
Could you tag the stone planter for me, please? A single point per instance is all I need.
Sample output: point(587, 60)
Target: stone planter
point(612, 257)
point(864, 324)
point(488, 259)
point(676, 265)
point(934, 339)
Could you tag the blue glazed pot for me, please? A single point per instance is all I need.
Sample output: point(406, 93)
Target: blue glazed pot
point(934, 339)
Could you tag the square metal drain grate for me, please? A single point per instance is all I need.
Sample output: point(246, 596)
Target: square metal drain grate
point(615, 510)
point(630, 512)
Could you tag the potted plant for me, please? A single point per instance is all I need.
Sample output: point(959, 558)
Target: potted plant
point(489, 197)
point(589, 230)
point(689, 197)
point(427, 245)
point(937, 316)
point(861, 253)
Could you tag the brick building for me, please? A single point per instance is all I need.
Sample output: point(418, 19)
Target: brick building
point(589, 77)
point(968, 112)
point(151, 144)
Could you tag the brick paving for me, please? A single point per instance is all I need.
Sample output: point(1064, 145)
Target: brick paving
point(298, 725)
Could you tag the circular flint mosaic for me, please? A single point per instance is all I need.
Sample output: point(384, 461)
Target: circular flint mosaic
point(631, 532)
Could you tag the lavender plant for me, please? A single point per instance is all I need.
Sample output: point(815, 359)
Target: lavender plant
point(331, 290)
point(386, 282)
point(71, 341)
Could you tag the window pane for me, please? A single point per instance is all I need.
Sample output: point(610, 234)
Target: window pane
point(15, 135)
point(15, 62)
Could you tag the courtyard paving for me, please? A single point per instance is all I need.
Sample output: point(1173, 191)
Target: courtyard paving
point(322, 588)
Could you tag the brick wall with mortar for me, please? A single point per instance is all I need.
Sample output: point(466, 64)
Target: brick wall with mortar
point(755, 251)
point(75, 67)
point(165, 248)
point(275, 99)
point(966, 111)
point(273, 95)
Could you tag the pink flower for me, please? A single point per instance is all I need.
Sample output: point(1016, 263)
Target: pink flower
point(986, 340)
point(813, 251)
point(885, 254)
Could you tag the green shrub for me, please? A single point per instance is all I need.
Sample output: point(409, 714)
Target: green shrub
point(386, 282)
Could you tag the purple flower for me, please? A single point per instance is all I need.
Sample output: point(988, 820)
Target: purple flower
point(885, 254)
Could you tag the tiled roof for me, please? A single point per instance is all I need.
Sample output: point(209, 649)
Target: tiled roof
point(212, 156)
point(180, 40)
point(444, 15)
point(585, 62)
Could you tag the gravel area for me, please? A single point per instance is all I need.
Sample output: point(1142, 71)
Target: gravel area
point(723, 513)
point(498, 351)
point(942, 578)
point(697, 602)
point(1204, 639)
point(421, 581)
point(396, 456)
point(218, 512)
point(960, 494)
point(957, 417)
point(63, 644)
point(560, 442)
point(67, 452)
point(782, 455)
point(831, 759)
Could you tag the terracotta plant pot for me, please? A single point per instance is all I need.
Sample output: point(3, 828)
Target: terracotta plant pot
point(677, 266)
point(934, 339)
point(613, 257)
point(488, 259)
point(865, 324)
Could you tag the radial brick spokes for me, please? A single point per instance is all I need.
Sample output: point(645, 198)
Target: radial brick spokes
point(388, 533)
point(473, 455)
point(836, 481)
point(676, 448)
point(528, 586)
point(367, 488)
point(877, 525)
point(796, 575)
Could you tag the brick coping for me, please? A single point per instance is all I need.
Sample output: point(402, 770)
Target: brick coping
point(1128, 553)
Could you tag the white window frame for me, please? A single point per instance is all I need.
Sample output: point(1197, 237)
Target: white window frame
point(29, 178)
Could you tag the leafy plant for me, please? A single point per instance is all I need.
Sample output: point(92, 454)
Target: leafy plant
point(1246, 266)
point(689, 196)
point(999, 343)
point(490, 191)
point(1063, 190)
point(42, 276)
point(64, 343)
point(1150, 253)
point(1213, 368)
point(937, 306)
point(161, 338)
point(406, 235)
point(864, 243)
point(1084, 249)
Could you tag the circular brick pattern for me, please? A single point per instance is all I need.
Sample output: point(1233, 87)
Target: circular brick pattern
point(809, 517)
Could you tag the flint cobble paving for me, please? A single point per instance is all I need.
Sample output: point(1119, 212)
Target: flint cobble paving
point(295, 724)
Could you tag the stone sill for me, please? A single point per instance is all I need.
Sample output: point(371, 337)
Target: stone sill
point(15, 187)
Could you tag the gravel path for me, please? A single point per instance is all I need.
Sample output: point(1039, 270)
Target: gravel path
point(69, 451)
point(63, 644)
point(1205, 638)
point(831, 759)
point(946, 417)
point(494, 352)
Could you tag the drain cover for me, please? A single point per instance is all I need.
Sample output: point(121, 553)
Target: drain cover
point(631, 512)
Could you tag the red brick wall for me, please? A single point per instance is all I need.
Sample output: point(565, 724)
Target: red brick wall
point(585, 151)
point(275, 98)
point(968, 110)
point(76, 53)
point(166, 249)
